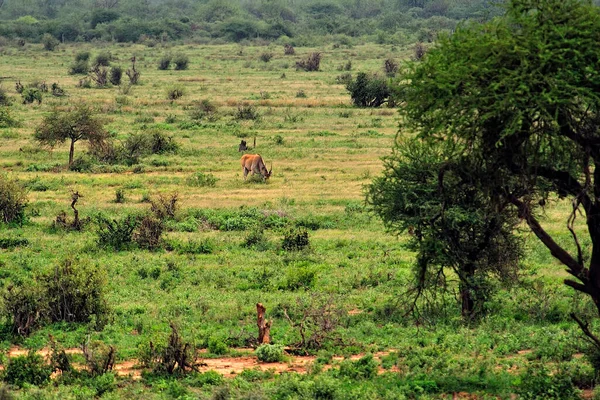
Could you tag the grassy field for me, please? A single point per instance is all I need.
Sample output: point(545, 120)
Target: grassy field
point(208, 282)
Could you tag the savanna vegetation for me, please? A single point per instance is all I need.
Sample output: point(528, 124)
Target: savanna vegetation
point(133, 254)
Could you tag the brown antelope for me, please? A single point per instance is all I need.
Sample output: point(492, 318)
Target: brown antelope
point(255, 164)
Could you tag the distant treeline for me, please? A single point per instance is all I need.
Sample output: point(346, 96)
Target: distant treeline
point(217, 20)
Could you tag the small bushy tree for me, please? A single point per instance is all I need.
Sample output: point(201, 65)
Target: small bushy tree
point(50, 42)
point(368, 91)
point(13, 199)
point(75, 125)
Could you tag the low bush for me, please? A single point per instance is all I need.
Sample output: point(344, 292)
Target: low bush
point(270, 353)
point(204, 109)
point(266, 57)
point(201, 179)
point(116, 74)
point(115, 234)
point(5, 99)
point(174, 356)
point(79, 67)
point(30, 369)
point(149, 232)
point(217, 345)
point(164, 63)
point(82, 56)
point(246, 112)
point(30, 95)
point(49, 42)
point(295, 238)
point(205, 246)
point(12, 242)
point(13, 200)
point(538, 383)
point(364, 368)
point(368, 91)
point(181, 62)
point(6, 118)
point(103, 59)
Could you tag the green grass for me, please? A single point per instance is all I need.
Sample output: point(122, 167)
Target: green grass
point(323, 151)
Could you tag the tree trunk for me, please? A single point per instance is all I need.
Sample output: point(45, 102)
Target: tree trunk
point(264, 326)
point(71, 152)
point(466, 291)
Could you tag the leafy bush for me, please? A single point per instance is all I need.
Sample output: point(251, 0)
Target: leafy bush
point(82, 56)
point(74, 292)
point(13, 199)
point(12, 242)
point(164, 206)
point(50, 42)
point(538, 383)
point(164, 63)
point(79, 67)
point(201, 179)
point(24, 306)
point(270, 353)
point(298, 278)
point(266, 57)
point(103, 59)
point(256, 238)
point(30, 369)
point(247, 112)
point(344, 79)
point(175, 356)
point(295, 238)
point(6, 118)
point(196, 247)
point(5, 99)
point(217, 345)
point(30, 95)
point(368, 91)
point(82, 164)
point(364, 368)
point(203, 109)
point(181, 62)
point(99, 357)
point(116, 74)
point(116, 234)
point(57, 91)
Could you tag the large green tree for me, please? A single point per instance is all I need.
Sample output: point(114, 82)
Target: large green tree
point(520, 96)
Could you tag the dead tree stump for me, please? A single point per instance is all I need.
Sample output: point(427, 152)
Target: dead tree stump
point(264, 326)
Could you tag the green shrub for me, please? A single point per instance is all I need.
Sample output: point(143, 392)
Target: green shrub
point(116, 234)
point(368, 91)
point(82, 56)
point(208, 378)
point(364, 368)
point(204, 109)
point(74, 292)
point(103, 59)
point(270, 353)
point(217, 345)
point(537, 383)
point(266, 57)
point(30, 95)
point(247, 112)
point(11, 243)
point(256, 239)
point(30, 369)
point(6, 119)
point(103, 383)
point(164, 63)
point(24, 305)
point(298, 278)
point(196, 247)
point(5, 99)
point(79, 67)
point(295, 238)
point(201, 179)
point(82, 164)
point(50, 42)
point(181, 62)
point(13, 200)
point(116, 74)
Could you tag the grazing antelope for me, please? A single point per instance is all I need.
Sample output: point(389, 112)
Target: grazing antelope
point(255, 164)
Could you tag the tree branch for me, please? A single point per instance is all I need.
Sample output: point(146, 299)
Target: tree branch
point(585, 328)
point(573, 267)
